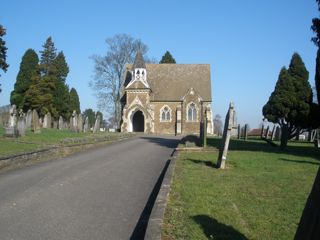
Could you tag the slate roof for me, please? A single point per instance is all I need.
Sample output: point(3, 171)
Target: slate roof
point(171, 82)
point(138, 61)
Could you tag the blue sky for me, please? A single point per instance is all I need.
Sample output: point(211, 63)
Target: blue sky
point(245, 42)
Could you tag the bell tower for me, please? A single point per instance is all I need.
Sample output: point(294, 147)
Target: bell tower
point(139, 71)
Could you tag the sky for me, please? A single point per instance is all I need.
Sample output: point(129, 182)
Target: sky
point(245, 42)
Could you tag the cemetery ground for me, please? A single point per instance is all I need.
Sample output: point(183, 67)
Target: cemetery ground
point(260, 195)
point(65, 142)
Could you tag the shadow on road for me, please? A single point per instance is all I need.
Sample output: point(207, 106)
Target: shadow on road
point(166, 142)
point(140, 229)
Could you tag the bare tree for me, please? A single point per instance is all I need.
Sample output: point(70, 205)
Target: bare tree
point(109, 70)
point(218, 125)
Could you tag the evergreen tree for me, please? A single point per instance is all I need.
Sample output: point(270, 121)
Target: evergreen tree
point(39, 96)
point(74, 101)
point(289, 104)
point(48, 55)
point(167, 58)
point(3, 52)
point(61, 94)
point(28, 68)
point(91, 116)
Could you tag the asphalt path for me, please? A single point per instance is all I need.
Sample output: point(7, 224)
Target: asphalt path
point(103, 193)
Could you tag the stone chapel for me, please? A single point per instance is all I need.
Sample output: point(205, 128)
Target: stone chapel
point(166, 98)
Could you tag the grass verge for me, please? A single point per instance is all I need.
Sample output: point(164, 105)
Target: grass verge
point(260, 195)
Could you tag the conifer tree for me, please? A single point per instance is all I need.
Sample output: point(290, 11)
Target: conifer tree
point(74, 101)
point(61, 93)
point(39, 96)
point(28, 68)
point(167, 58)
point(289, 103)
point(48, 55)
point(3, 52)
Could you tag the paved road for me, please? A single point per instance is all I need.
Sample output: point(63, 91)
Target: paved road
point(99, 194)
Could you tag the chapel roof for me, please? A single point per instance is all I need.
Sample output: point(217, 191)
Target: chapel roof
point(171, 82)
point(138, 61)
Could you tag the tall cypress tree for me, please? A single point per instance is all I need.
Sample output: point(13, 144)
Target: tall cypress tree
point(61, 93)
point(74, 101)
point(28, 68)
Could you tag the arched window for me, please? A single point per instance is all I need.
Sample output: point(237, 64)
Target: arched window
point(192, 112)
point(165, 114)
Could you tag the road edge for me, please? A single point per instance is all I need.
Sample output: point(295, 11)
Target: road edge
point(154, 227)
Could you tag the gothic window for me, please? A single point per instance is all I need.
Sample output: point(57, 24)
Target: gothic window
point(192, 112)
point(165, 114)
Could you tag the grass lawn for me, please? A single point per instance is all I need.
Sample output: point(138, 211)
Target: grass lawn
point(47, 138)
point(260, 195)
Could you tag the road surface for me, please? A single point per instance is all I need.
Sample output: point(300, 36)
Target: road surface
point(103, 193)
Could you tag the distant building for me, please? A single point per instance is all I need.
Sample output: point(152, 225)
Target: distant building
point(166, 98)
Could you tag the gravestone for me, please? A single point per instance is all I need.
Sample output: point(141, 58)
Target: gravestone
point(80, 123)
point(35, 122)
point(74, 122)
point(278, 134)
point(21, 126)
point(86, 124)
point(230, 123)
point(266, 135)
point(246, 132)
point(29, 119)
point(11, 128)
point(47, 121)
point(60, 123)
point(273, 133)
point(96, 124)
point(239, 131)
point(262, 131)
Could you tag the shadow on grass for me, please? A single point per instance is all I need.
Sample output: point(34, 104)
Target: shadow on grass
point(303, 150)
point(216, 230)
point(299, 161)
point(206, 163)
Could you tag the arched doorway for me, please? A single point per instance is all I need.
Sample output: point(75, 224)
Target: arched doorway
point(138, 122)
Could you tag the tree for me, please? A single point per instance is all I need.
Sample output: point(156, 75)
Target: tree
point(74, 101)
point(3, 52)
point(109, 70)
point(48, 55)
point(91, 116)
point(217, 125)
point(39, 96)
point(28, 68)
point(289, 103)
point(61, 93)
point(167, 58)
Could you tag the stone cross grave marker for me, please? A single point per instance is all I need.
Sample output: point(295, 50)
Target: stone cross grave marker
point(230, 123)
